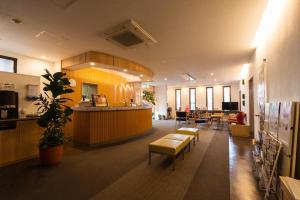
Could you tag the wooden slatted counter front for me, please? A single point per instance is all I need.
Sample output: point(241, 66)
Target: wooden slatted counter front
point(107, 125)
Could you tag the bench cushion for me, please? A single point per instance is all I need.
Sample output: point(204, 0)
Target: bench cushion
point(188, 131)
point(174, 136)
point(168, 146)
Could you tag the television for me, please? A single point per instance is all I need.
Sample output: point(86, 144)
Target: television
point(230, 105)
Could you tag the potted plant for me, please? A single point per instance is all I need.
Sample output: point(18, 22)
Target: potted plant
point(54, 116)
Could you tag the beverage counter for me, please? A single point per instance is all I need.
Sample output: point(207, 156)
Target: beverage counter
point(106, 125)
point(20, 143)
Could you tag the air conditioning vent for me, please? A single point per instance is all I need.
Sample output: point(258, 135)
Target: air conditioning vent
point(129, 34)
point(127, 39)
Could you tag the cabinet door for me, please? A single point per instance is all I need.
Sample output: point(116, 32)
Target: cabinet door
point(8, 146)
point(29, 134)
point(20, 143)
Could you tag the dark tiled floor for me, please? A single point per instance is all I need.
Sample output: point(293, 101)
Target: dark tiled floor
point(243, 185)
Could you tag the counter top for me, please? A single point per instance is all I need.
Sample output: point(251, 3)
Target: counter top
point(19, 119)
point(81, 108)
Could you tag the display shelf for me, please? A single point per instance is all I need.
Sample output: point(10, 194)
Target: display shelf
point(265, 154)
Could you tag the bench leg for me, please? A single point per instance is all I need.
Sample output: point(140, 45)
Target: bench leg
point(190, 146)
point(194, 141)
point(149, 160)
point(174, 158)
point(183, 154)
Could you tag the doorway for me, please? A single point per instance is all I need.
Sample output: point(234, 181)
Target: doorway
point(251, 107)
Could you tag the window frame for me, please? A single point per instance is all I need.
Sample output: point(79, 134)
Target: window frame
point(190, 97)
point(176, 99)
point(227, 86)
point(212, 98)
point(15, 60)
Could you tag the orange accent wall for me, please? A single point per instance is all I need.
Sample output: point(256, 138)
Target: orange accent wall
point(113, 86)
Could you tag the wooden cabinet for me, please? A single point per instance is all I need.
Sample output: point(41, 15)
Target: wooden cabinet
point(20, 143)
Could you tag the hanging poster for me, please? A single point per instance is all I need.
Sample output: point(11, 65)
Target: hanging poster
point(285, 122)
point(261, 90)
point(267, 117)
point(273, 118)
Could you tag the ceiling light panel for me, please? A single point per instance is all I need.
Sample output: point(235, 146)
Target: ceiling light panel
point(64, 4)
point(49, 37)
point(187, 77)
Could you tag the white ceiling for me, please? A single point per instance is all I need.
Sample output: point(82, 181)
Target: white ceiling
point(194, 36)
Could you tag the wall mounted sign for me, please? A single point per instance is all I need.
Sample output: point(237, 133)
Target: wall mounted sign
point(32, 92)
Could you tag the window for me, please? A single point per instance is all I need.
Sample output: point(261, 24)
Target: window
point(8, 64)
point(209, 98)
point(88, 90)
point(177, 99)
point(226, 94)
point(192, 98)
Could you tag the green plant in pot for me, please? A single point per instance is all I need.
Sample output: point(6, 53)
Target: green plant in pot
point(148, 96)
point(54, 116)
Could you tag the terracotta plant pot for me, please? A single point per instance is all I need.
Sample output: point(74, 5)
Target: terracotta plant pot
point(51, 155)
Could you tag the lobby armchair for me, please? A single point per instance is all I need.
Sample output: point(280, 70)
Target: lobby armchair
point(181, 116)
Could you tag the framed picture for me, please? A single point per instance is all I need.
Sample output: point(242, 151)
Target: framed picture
point(267, 117)
point(274, 118)
point(286, 119)
point(261, 93)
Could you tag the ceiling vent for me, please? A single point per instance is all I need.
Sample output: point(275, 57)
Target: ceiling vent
point(129, 34)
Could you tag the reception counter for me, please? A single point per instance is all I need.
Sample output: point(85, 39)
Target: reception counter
point(107, 125)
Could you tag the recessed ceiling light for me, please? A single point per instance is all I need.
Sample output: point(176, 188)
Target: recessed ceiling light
point(165, 79)
point(92, 63)
point(148, 80)
point(16, 21)
point(43, 57)
point(141, 75)
point(215, 80)
point(125, 70)
point(211, 74)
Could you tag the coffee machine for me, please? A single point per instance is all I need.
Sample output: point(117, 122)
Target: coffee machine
point(9, 102)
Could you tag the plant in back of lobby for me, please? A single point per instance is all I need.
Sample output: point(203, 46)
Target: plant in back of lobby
point(148, 96)
point(54, 116)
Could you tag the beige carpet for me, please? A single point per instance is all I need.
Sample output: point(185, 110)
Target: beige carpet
point(159, 181)
point(121, 172)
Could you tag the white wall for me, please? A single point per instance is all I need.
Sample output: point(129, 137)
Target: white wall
point(201, 96)
point(161, 100)
point(280, 46)
point(27, 66)
point(31, 66)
